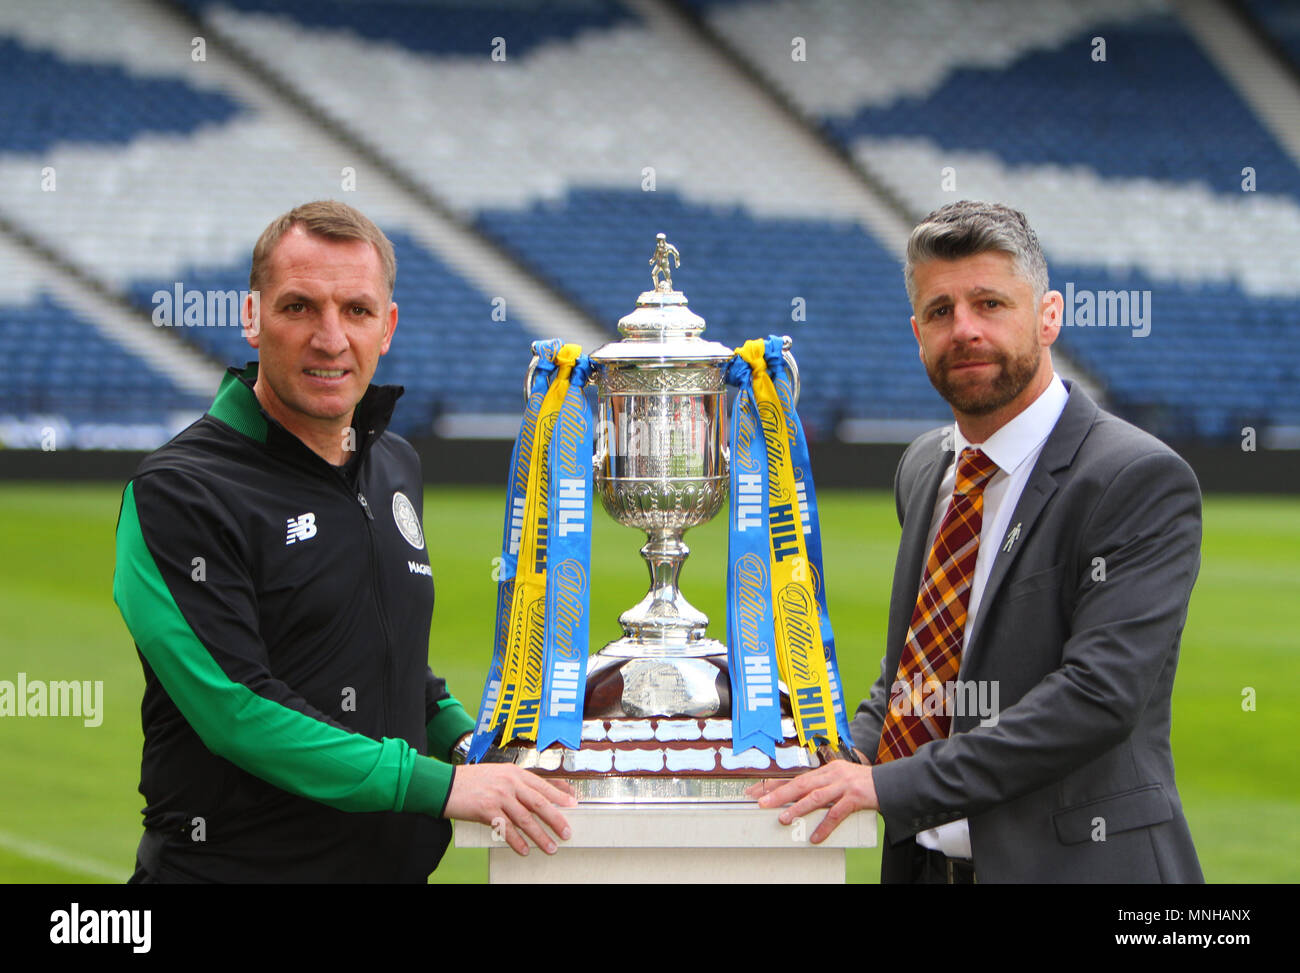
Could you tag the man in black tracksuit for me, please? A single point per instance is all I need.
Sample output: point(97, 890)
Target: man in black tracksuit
point(272, 569)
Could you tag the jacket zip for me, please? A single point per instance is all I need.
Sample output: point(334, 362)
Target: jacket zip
point(383, 612)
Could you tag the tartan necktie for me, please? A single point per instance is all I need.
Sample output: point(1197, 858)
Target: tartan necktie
point(931, 655)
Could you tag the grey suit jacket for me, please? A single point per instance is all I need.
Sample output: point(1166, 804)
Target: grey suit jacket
point(1075, 782)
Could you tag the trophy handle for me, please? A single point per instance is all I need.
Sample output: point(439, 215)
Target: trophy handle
point(532, 370)
point(786, 342)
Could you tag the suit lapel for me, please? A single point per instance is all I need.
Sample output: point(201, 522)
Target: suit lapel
point(1057, 455)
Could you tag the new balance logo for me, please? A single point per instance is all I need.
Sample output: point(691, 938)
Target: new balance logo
point(300, 528)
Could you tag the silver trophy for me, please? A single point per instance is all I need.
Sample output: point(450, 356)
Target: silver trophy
point(660, 466)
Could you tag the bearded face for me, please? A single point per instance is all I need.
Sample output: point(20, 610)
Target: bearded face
point(977, 383)
point(982, 335)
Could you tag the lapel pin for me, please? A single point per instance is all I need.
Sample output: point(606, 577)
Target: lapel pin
point(1012, 536)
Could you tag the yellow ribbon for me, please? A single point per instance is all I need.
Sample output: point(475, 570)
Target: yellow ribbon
point(800, 654)
point(522, 667)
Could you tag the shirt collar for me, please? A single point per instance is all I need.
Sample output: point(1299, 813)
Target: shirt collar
point(1016, 441)
point(236, 405)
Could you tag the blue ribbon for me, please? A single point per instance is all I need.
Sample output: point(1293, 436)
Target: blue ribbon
point(784, 382)
point(568, 567)
point(751, 642)
point(511, 535)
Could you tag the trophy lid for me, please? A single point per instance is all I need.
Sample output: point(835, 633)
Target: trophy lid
point(662, 329)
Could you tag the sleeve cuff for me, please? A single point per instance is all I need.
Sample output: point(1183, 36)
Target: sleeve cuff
point(448, 725)
point(429, 788)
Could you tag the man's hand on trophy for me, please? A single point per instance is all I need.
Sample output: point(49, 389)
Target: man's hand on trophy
point(510, 800)
point(840, 785)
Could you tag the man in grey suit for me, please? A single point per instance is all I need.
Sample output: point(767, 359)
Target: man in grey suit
point(1047, 557)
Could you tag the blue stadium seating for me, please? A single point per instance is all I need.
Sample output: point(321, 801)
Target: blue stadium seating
point(1219, 356)
point(1280, 21)
point(56, 364)
point(1156, 108)
point(1215, 360)
point(45, 100)
point(1169, 117)
point(442, 27)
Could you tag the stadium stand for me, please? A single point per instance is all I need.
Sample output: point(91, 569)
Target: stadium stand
point(135, 164)
point(557, 138)
point(58, 365)
point(1279, 20)
point(556, 154)
point(109, 105)
point(1131, 167)
point(66, 383)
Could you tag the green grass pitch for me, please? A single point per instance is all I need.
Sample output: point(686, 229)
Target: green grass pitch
point(69, 808)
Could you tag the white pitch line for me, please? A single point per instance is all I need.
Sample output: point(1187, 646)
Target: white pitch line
point(37, 851)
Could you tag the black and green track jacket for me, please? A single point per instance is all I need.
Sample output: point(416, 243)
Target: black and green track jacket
point(281, 608)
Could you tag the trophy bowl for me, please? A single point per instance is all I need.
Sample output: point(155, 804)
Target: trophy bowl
point(661, 463)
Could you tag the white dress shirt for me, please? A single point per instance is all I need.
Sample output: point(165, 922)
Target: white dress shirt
point(1015, 449)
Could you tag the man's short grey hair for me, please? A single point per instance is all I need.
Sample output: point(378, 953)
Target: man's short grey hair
point(969, 227)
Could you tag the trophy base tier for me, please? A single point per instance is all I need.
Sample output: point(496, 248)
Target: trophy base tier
point(658, 731)
point(670, 760)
